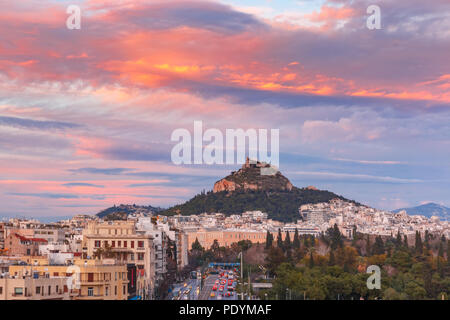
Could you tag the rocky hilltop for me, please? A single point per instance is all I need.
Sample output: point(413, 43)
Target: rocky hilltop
point(251, 177)
point(247, 189)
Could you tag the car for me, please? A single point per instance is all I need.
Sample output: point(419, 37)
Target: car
point(230, 282)
point(230, 289)
point(214, 288)
point(185, 285)
point(221, 288)
point(213, 294)
point(228, 294)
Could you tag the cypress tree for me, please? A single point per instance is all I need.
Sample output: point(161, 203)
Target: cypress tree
point(311, 260)
point(296, 242)
point(368, 248)
point(405, 241)
point(427, 240)
point(279, 239)
point(418, 245)
point(378, 247)
point(398, 241)
point(441, 250)
point(269, 240)
point(448, 252)
point(287, 241)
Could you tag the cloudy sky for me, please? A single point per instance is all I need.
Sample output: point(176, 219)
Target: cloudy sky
point(86, 115)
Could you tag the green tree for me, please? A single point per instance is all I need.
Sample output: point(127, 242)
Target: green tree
point(196, 246)
point(311, 260)
point(279, 239)
point(368, 247)
point(405, 241)
point(296, 242)
point(287, 242)
point(418, 247)
point(398, 240)
point(378, 246)
point(269, 240)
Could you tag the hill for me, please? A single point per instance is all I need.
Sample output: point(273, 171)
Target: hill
point(247, 190)
point(428, 210)
point(122, 211)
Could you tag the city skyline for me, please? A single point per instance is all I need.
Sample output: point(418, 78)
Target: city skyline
point(86, 115)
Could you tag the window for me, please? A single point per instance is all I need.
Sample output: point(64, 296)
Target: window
point(140, 244)
point(140, 256)
point(124, 289)
point(119, 243)
point(49, 290)
point(57, 291)
point(90, 277)
point(115, 290)
point(113, 244)
point(97, 243)
point(132, 257)
point(125, 244)
point(106, 291)
point(132, 244)
point(90, 291)
point(1, 290)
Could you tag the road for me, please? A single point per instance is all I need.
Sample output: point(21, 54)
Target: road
point(218, 295)
point(207, 286)
point(189, 290)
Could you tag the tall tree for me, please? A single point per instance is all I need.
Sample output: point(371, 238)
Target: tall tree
point(287, 242)
point(269, 240)
point(378, 246)
point(196, 246)
point(279, 239)
point(398, 240)
point(418, 247)
point(405, 241)
point(311, 260)
point(427, 240)
point(368, 247)
point(296, 242)
point(448, 252)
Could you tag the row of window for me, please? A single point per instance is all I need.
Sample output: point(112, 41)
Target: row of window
point(98, 243)
point(91, 291)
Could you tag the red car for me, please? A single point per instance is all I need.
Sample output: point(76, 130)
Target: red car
point(230, 282)
point(214, 288)
point(228, 294)
point(221, 288)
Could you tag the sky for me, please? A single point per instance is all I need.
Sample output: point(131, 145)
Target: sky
point(86, 115)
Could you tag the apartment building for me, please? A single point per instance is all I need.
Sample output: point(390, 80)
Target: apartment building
point(2, 236)
point(29, 287)
point(225, 237)
point(86, 279)
point(19, 245)
point(121, 241)
point(160, 243)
